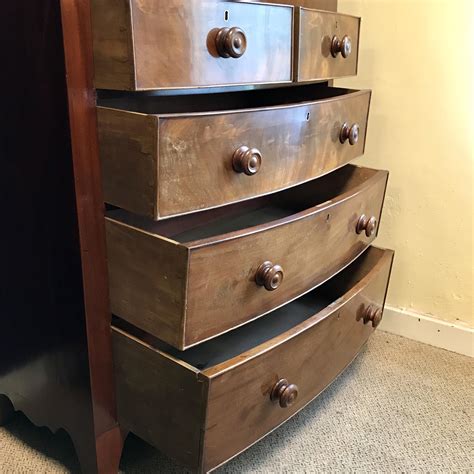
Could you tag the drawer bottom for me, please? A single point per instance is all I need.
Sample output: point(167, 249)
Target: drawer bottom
point(205, 405)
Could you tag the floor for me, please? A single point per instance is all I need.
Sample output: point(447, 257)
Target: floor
point(402, 406)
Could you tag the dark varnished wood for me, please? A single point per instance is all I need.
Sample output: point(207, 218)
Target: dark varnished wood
point(322, 45)
point(90, 215)
point(55, 353)
point(6, 410)
point(160, 161)
point(191, 278)
point(240, 386)
point(167, 44)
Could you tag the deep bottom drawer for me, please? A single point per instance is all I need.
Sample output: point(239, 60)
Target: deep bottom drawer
point(209, 403)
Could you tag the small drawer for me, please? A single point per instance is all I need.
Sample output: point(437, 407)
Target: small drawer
point(169, 44)
point(166, 156)
point(206, 405)
point(327, 45)
point(194, 277)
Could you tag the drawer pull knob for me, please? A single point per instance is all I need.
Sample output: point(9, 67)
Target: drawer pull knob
point(268, 275)
point(285, 393)
point(343, 46)
point(247, 160)
point(367, 224)
point(373, 314)
point(231, 42)
point(349, 133)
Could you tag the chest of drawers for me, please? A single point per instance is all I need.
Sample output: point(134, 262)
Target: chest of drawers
point(238, 236)
point(236, 242)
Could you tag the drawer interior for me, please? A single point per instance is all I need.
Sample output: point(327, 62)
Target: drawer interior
point(244, 215)
point(240, 340)
point(147, 103)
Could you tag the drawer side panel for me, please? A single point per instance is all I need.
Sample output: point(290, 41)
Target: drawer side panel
point(128, 153)
point(159, 400)
point(147, 280)
point(113, 48)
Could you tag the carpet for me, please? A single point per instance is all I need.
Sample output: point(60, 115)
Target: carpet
point(402, 406)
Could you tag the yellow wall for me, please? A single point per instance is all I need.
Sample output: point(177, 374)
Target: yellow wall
point(416, 56)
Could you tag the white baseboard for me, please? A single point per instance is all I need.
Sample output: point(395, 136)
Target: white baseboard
point(453, 337)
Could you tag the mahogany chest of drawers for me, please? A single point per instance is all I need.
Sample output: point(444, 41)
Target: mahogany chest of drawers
point(238, 236)
point(237, 233)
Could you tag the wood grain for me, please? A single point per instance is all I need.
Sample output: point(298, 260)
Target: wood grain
point(147, 280)
point(173, 43)
point(187, 166)
point(311, 249)
point(310, 356)
point(329, 5)
point(159, 399)
point(114, 62)
point(195, 285)
point(77, 36)
point(55, 348)
point(315, 30)
point(220, 411)
point(127, 145)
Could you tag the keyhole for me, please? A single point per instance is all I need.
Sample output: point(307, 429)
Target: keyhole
point(226, 15)
point(308, 116)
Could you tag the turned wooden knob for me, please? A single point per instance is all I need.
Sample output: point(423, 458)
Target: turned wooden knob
point(374, 314)
point(367, 224)
point(350, 133)
point(343, 46)
point(247, 160)
point(285, 393)
point(231, 42)
point(268, 275)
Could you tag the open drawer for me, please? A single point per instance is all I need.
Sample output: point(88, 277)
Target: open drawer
point(165, 156)
point(194, 277)
point(207, 404)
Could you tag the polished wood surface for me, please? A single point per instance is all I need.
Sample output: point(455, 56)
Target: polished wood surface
point(220, 408)
point(194, 277)
point(316, 35)
point(162, 44)
point(55, 349)
point(330, 5)
point(168, 163)
point(310, 356)
point(160, 399)
point(90, 216)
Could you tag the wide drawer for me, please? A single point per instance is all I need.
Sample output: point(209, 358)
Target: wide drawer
point(205, 405)
point(168, 44)
point(327, 45)
point(191, 278)
point(163, 156)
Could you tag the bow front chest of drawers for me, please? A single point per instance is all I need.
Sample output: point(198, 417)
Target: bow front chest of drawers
point(241, 275)
point(237, 232)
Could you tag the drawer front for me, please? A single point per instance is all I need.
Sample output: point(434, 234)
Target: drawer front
point(323, 45)
point(198, 155)
point(221, 288)
point(167, 44)
point(240, 410)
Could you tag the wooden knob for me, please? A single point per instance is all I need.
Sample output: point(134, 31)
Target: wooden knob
point(343, 46)
point(268, 275)
point(367, 224)
point(349, 133)
point(231, 42)
point(374, 314)
point(247, 160)
point(285, 393)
